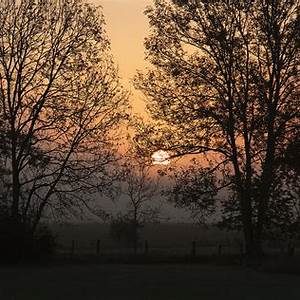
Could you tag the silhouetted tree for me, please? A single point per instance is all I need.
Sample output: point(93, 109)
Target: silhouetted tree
point(138, 186)
point(193, 188)
point(291, 159)
point(284, 209)
point(60, 100)
point(225, 83)
point(123, 229)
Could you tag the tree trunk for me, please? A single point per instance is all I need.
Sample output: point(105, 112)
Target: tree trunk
point(15, 185)
point(264, 198)
point(135, 233)
point(291, 248)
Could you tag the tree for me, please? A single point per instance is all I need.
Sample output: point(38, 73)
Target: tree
point(193, 188)
point(138, 186)
point(291, 159)
point(225, 83)
point(60, 103)
point(284, 211)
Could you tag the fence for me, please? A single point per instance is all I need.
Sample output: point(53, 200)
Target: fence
point(194, 249)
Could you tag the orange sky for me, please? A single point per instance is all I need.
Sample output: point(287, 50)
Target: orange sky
point(127, 26)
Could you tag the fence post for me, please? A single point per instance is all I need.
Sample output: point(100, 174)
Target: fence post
point(146, 247)
point(194, 249)
point(72, 248)
point(220, 250)
point(241, 253)
point(98, 247)
point(241, 249)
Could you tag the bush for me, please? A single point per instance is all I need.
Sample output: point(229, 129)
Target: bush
point(124, 231)
point(17, 243)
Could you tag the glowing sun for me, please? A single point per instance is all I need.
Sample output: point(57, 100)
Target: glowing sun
point(160, 157)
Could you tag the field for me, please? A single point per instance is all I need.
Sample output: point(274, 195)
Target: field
point(155, 282)
point(207, 275)
point(168, 239)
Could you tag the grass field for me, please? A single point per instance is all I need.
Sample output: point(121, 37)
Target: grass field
point(167, 238)
point(103, 277)
point(140, 282)
point(163, 239)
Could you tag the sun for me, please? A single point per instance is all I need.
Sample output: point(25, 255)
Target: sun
point(160, 157)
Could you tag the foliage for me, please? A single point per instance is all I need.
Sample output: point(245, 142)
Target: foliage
point(194, 188)
point(18, 243)
point(225, 84)
point(284, 210)
point(61, 104)
point(292, 156)
point(122, 229)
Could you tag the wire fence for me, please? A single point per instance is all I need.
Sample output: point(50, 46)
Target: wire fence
point(192, 249)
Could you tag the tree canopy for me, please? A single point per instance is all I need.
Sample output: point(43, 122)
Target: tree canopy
point(225, 83)
point(60, 104)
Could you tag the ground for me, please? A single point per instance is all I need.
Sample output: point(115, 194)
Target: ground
point(139, 282)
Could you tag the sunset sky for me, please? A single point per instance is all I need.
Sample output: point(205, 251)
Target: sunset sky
point(127, 26)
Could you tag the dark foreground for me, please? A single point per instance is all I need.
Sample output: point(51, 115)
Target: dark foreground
point(153, 282)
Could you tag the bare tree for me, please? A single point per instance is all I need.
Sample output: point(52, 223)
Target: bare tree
point(60, 103)
point(226, 83)
point(138, 186)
